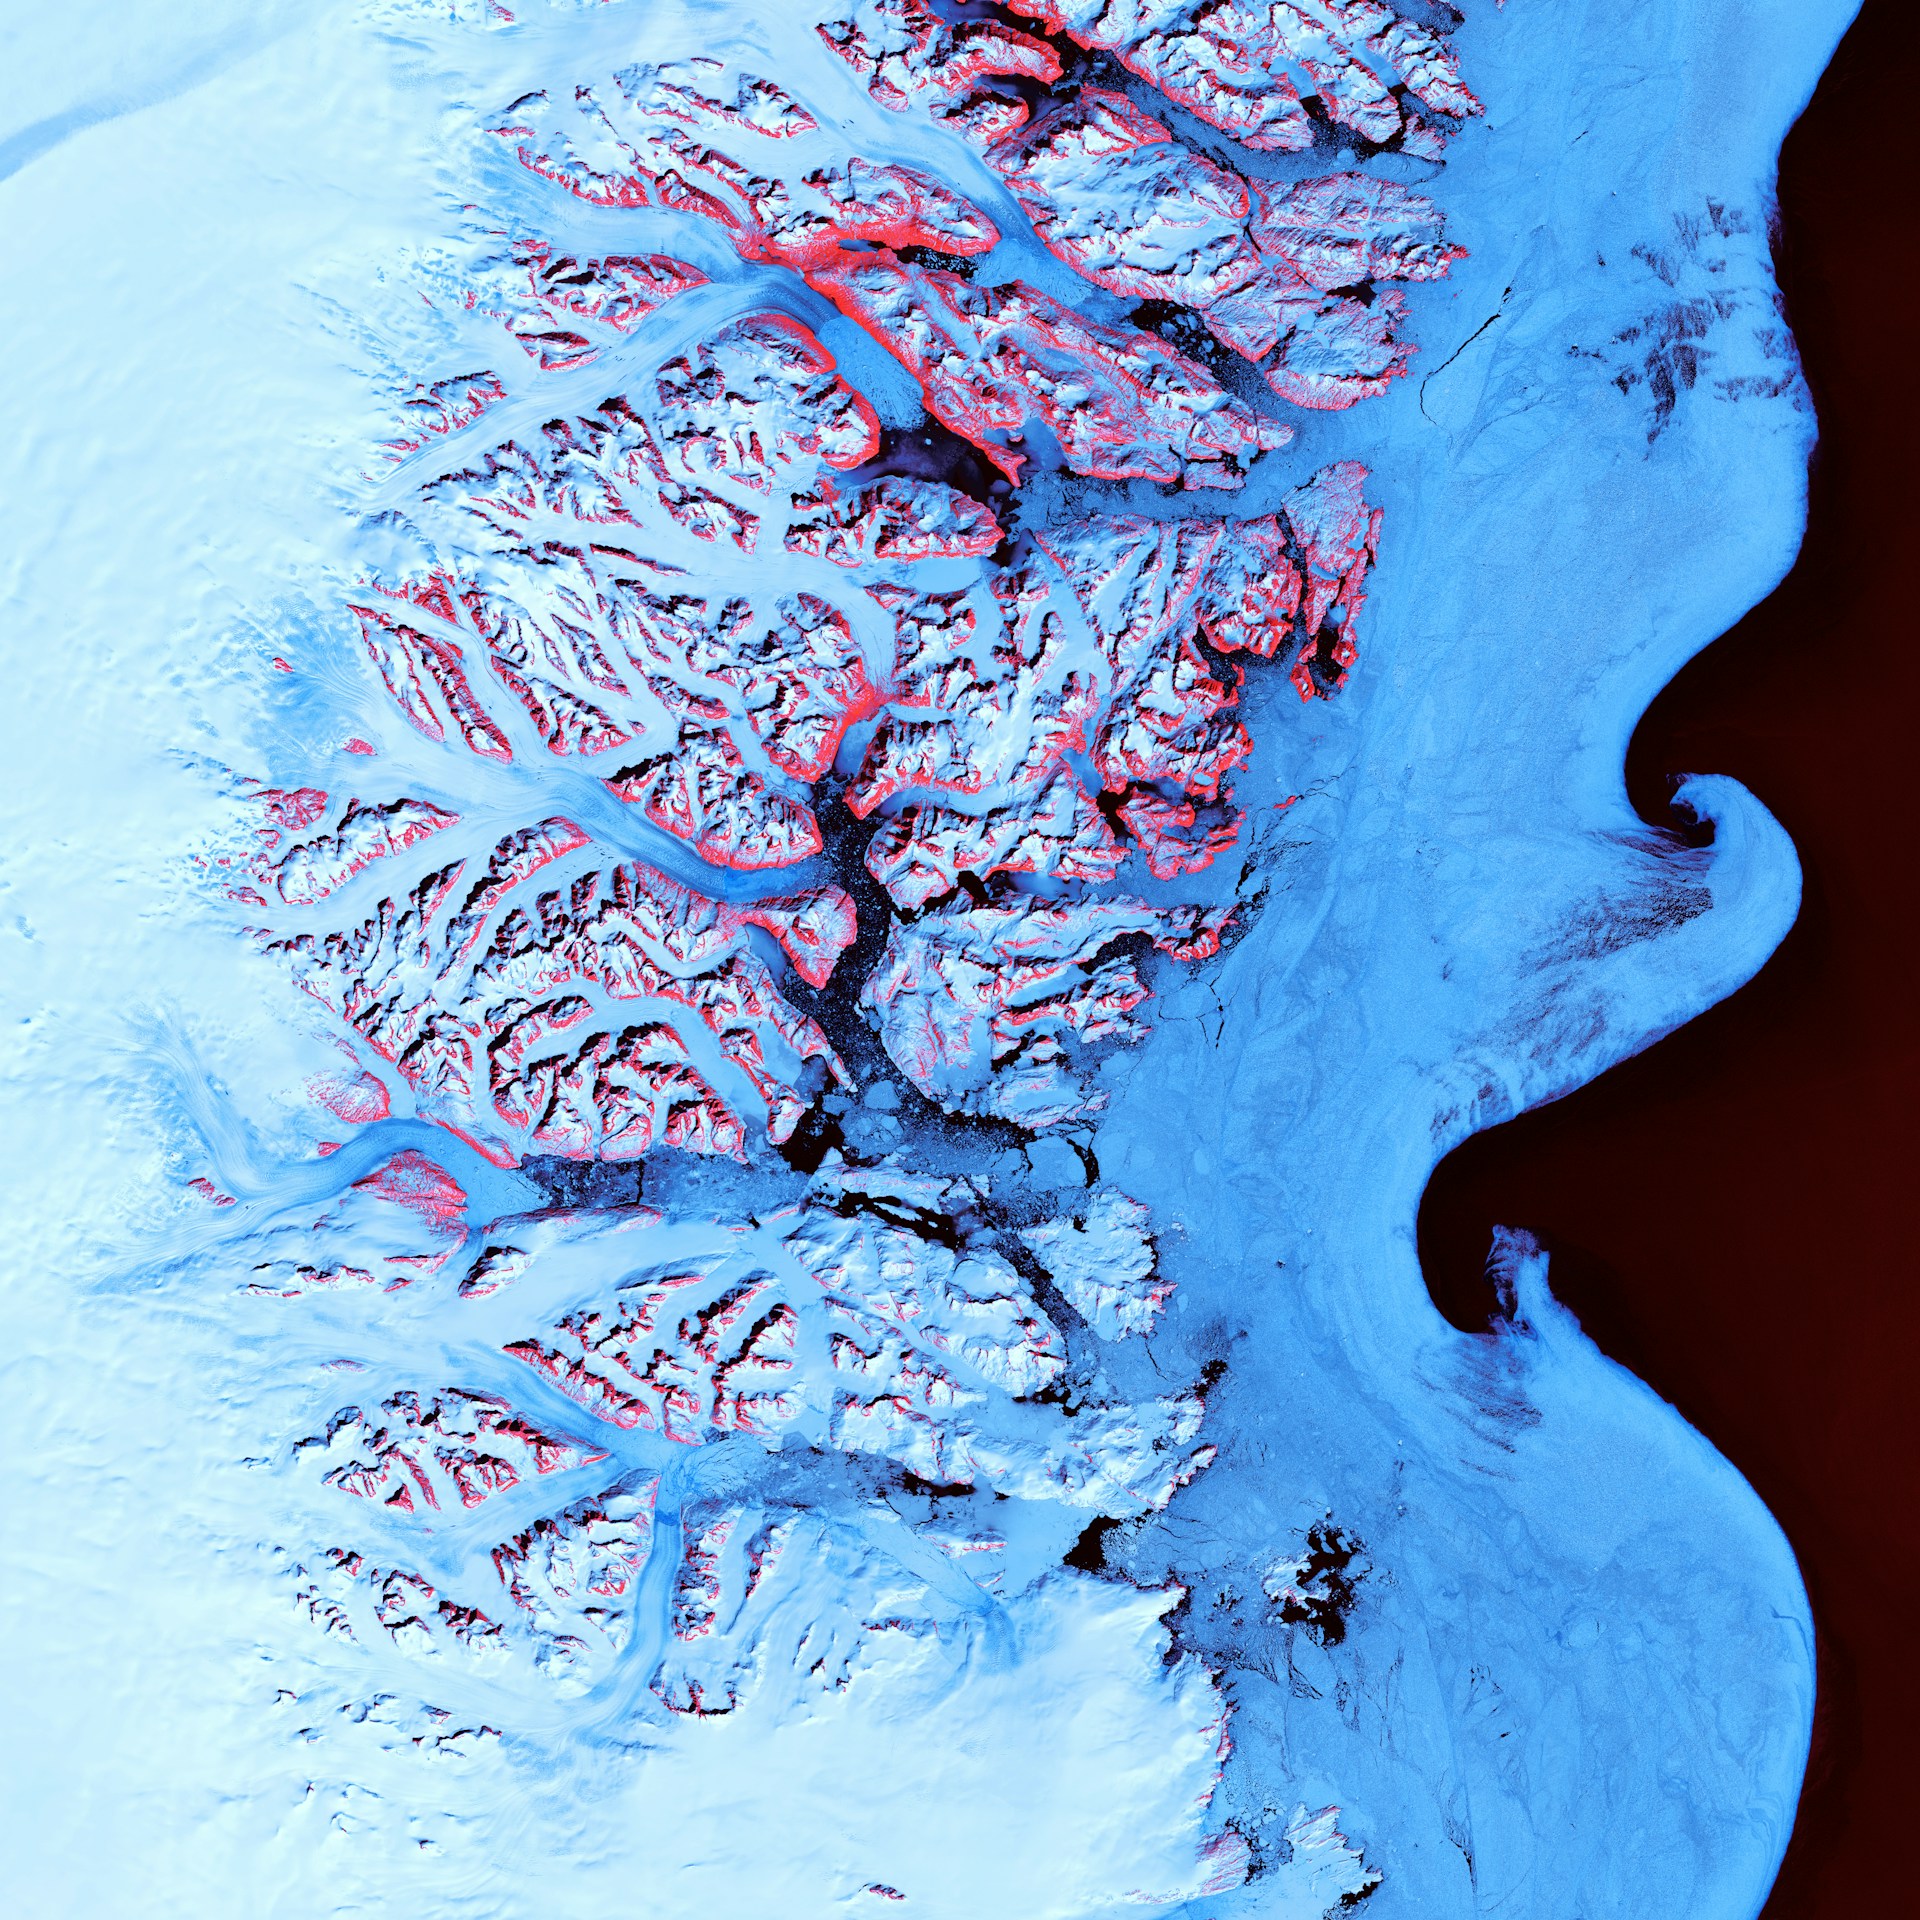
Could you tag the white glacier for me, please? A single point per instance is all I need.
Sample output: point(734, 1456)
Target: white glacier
point(1367, 1608)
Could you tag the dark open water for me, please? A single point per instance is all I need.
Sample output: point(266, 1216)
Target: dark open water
point(1735, 1214)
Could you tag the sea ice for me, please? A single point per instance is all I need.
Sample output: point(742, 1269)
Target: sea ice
point(727, 1031)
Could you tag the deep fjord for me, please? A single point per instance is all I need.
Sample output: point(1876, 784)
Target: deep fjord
point(1731, 1213)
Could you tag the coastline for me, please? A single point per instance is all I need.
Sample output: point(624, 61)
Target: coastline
point(1753, 1277)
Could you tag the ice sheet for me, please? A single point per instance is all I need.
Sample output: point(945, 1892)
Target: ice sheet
point(1237, 1584)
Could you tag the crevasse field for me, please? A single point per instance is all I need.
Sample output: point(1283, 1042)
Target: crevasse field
point(773, 774)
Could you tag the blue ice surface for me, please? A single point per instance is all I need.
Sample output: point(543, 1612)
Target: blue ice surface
point(1584, 1683)
point(1577, 1675)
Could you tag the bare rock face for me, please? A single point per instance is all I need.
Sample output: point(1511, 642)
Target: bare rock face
point(1284, 276)
point(661, 146)
point(876, 1322)
point(590, 1020)
point(995, 361)
point(1249, 66)
point(1058, 833)
point(1033, 719)
point(754, 1256)
point(726, 596)
point(795, 689)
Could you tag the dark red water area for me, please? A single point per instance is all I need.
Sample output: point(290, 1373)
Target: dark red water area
point(1733, 1214)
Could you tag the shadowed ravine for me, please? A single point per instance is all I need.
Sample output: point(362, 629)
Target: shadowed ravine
point(1727, 1213)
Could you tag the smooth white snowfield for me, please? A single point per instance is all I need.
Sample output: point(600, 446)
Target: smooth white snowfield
point(1578, 1679)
